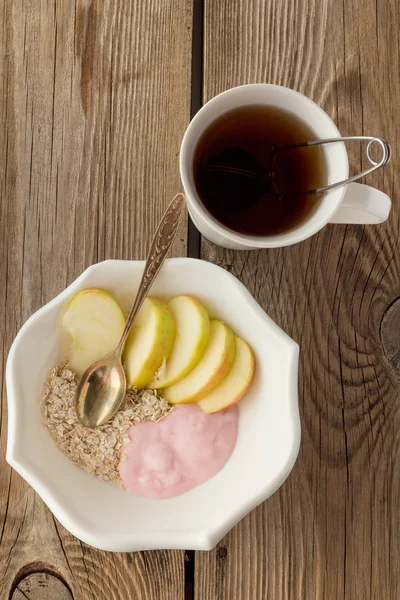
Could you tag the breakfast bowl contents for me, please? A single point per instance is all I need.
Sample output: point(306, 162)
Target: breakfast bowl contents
point(208, 364)
point(210, 434)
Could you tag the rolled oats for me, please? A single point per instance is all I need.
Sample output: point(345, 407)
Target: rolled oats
point(97, 451)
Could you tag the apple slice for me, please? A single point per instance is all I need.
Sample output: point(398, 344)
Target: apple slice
point(192, 332)
point(149, 342)
point(209, 371)
point(95, 321)
point(236, 383)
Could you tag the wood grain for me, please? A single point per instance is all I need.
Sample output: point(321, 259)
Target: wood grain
point(390, 328)
point(332, 531)
point(95, 98)
point(41, 586)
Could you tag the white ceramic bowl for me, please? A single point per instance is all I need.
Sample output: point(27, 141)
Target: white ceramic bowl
point(103, 515)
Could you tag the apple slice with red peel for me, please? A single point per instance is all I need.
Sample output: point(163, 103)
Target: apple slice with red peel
point(209, 371)
point(235, 384)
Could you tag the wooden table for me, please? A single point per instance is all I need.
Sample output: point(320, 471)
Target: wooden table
point(95, 98)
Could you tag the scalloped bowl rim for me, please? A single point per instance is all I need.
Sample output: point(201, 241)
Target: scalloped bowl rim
point(171, 539)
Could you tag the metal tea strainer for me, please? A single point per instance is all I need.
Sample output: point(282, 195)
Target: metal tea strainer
point(384, 146)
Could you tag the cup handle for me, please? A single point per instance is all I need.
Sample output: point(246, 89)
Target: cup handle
point(363, 205)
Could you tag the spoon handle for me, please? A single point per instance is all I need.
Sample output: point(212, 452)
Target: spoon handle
point(160, 245)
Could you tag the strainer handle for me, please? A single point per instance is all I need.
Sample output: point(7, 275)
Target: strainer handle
point(384, 145)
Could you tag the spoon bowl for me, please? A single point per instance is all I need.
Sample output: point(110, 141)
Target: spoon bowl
point(101, 391)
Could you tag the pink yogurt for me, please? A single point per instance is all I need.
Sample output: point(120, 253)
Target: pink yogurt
point(179, 452)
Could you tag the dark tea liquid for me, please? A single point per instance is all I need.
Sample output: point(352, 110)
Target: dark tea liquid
point(242, 141)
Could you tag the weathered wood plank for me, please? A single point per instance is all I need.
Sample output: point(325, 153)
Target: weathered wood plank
point(333, 530)
point(94, 100)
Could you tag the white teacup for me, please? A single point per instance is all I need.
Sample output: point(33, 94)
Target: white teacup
point(351, 203)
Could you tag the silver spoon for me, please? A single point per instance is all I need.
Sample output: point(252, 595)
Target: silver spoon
point(102, 387)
